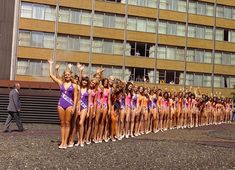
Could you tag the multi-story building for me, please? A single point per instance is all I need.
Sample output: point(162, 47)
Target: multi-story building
point(174, 43)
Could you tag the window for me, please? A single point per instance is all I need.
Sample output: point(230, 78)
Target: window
point(233, 58)
point(141, 25)
point(37, 39)
point(26, 10)
point(227, 12)
point(48, 40)
point(24, 38)
point(219, 11)
point(38, 11)
point(190, 55)
point(197, 80)
point(84, 44)
point(208, 33)
point(75, 16)
point(200, 32)
point(131, 23)
point(64, 15)
point(62, 42)
point(170, 77)
point(179, 54)
point(201, 8)
point(171, 28)
point(22, 67)
point(199, 55)
point(163, 4)
point(206, 81)
point(171, 52)
point(218, 58)
point(232, 82)
point(182, 5)
point(35, 67)
point(118, 48)
point(152, 3)
point(151, 26)
point(189, 79)
point(119, 22)
point(191, 31)
point(226, 36)
point(101, 20)
point(180, 30)
point(218, 81)
point(49, 13)
point(97, 46)
point(226, 58)
point(161, 51)
point(219, 34)
point(108, 47)
point(162, 27)
point(109, 21)
point(232, 36)
point(86, 18)
point(209, 10)
point(207, 57)
point(73, 43)
point(192, 7)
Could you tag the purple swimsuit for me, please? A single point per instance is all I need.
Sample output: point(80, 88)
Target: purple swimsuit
point(84, 100)
point(66, 100)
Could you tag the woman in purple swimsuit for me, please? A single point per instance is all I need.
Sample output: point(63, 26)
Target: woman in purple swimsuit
point(84, 111)
point(67, 102)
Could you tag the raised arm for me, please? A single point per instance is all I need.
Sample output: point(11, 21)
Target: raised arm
point(57, 67)
point(58, 81)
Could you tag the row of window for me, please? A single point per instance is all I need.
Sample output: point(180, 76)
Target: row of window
point(40, 68)
point(195, 7)
point(77, 43)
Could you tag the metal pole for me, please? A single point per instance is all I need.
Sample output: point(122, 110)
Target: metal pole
point(156, 45)
point(124, 44)
point(15, 40)
point(186, 43)
point(91, 37)
point(56, 30)
point(213, 51)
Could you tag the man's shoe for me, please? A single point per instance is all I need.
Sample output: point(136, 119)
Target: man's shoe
point(7, 130)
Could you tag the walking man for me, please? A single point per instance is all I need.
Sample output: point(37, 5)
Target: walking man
point(14, 109)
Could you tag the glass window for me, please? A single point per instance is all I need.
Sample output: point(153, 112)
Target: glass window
point(162, 27)
point(180, 30)
point(37, 39)
point(219, 34)
point(26, 10)
point(161, 51)
point(233, 59)
point(208, 33)
point(45, 69)
point(170, 53)
point(232, 36)
point(197, 80)
point(152, 3)
point(199, 55)
point(226, 58)
point(232, 82)
point(38, 11)
point(217, 81)
point(220, 11)
point(48, 40)
point(49, 13)
point(131, 24)
point(206, 80)
point(228, 12)
point(141, 25)
point(189, 79)
point(24, 38)
point(97, 46)
point(75, 16)
point(200, 32)
point(119, 22)
point(191, 55)
point(118, 48)
point(233, 13)
point(207, 57)
point(209, 10)
point(73, 43)
point(192, 7)
point(191, 31)
point(101, 20)
point(22, 67)
point(108, 47)
point(171, 28)
point(151, 26)
point(132, 2)
point(64, 15)
point(182, 5)
point(84, 44)
point(163, 4)
point(35, 67)
point(179, 54)
point(152, 51)
point(116, 72)
point(218, 58)
point(62, 42)
point(201, 8)
point(86, 18)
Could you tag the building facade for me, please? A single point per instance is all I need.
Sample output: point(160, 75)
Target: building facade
point(174, 43)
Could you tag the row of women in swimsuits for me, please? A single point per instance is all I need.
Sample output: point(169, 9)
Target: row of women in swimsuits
point(111, 109)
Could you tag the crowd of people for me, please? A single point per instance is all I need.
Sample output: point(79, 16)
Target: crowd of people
point(101, 109)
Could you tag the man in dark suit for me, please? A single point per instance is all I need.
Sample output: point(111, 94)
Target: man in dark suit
point(14, 109)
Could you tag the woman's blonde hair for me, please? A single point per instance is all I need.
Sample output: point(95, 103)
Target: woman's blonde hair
point(71, 73)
